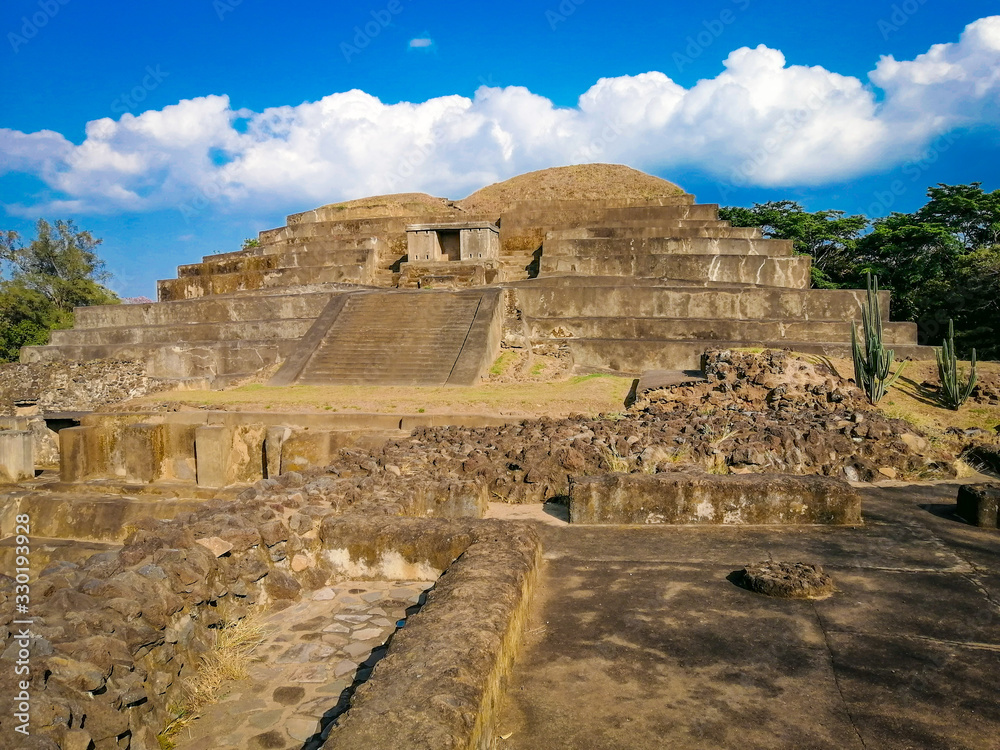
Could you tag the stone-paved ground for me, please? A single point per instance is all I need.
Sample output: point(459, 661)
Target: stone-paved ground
point(315, 655)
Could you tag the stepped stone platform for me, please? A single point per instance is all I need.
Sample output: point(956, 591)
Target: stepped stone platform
point(646, 280)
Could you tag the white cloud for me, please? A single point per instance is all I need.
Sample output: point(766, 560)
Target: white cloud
point(421, 43)
point(759, 121)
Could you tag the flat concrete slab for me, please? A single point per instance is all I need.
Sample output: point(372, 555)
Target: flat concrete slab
point(639, 640)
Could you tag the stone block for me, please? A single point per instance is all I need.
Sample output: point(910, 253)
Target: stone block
point(274, 441)
point(305, 449)
point(17, 456)
point(213, 444)
point(978, 504)
point(706, 499)
point(144, 452)
point(77, 459)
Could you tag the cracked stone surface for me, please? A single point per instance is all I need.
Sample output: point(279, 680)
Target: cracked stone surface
point(305, 672)
point(637, 640)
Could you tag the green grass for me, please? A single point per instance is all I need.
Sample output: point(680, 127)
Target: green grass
point(503, 364)
point(577, 379)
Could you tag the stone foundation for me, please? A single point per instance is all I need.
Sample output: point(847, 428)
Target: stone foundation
point(705, 499)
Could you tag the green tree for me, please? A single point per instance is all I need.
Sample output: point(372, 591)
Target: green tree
point(829, 237)
point(61, 263)
point(967, 211)
point(943, 262)
point(940, 262)
point(56, 272)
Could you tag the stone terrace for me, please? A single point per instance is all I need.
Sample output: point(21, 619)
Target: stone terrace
point(621, 284)
point(638, 639)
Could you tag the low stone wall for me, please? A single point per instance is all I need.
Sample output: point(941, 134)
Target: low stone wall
point(115, 638)
point(74, 386)
point(217, 448)
point(706, 499)
point(441, 682)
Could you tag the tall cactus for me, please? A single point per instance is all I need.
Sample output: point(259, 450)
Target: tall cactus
point(873, 363)
point(953, 392)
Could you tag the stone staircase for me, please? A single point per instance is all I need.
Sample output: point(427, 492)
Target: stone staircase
point(403, 338)
point(644, 287)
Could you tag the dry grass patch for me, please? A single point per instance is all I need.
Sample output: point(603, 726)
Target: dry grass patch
point(578, 182)
point(912, 402)
point(589, 395)
point(228, 662)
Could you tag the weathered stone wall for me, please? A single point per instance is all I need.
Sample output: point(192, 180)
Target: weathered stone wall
point(696, 498)
point(74, 386)
point(114, 638)
point(441, 683)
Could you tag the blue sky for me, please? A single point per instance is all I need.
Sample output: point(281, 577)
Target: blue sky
point(240, 125)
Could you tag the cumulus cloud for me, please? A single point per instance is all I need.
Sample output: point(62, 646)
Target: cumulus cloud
point(760, 121)
point(421, 43)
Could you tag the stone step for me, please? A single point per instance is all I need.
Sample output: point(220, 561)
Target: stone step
point(670, 329)
point(679, 230)
point(189, 333)
point(792, 273)
point(635, 356)
point(297, 258)
point(395, 337)
point(178, 361)
point(203, 286)
point(595, 246)
point(275, 305)
point(45, 551)
point(681, 199)
point(581, 297)
point(323, 229)
point(604, 216)
point(225, 256)
point(327, 242)
point(235, 264)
